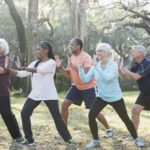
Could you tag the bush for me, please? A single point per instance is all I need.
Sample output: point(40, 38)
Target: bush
point(62, 83)
point(128, 85)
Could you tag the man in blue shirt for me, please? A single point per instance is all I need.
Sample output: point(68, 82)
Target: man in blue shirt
point(139, 71)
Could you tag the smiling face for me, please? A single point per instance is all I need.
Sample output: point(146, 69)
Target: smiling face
point(101, 54)
point(41, 52)
point(74, 47)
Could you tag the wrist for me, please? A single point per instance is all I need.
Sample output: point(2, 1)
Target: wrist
point(60, 67)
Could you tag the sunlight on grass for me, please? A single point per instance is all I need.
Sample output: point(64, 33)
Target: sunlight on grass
point(44, 129)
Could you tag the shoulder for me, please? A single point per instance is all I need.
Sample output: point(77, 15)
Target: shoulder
point(113, 64)
point(85, 54)
point(52, 62)
point(146, 61)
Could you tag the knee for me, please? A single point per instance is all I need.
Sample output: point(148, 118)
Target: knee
point(7, 114)
point(92, 116)
point(136, 111)
point(65, 105)
point(25, 114)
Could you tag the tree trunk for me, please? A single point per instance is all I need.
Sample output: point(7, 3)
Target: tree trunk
point(82, 22)
point(20, 29)
point(32, 29)
point(32, 34)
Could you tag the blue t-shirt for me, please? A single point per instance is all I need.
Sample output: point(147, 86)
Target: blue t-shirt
point(143, 69)
point(106, 80)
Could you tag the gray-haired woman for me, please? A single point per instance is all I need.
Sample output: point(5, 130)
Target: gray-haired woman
point(5, 106)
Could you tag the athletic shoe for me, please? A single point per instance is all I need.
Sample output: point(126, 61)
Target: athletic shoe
point(108, 133)
point(93, 144)
point(71, 142)
point(28, 143)
point(20, 140)
point(139, 143)
point(129, 138)
point(58, 136)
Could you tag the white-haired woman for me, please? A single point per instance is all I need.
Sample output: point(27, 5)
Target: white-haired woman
point(105, 71)
point(5, 106)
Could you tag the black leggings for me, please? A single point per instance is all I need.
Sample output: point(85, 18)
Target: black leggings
point(52, 105)
point(119, 107)
point(9, 117)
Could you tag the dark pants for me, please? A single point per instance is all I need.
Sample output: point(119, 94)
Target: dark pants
point(9, 117)
point(119, 107)
point(52, 105)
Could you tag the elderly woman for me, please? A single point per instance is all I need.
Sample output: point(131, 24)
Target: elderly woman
point(105, 71)
point(5, 107)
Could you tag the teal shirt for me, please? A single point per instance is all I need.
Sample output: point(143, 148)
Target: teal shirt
point(106, 80)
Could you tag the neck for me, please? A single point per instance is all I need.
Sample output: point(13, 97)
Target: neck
point(44, 59)
point(77, 53)
point(105, 61)
point(139, 60)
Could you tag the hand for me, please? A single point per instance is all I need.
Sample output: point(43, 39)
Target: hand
point(94, 60)
point(6, 62)
point(2, 71)
point(69, 61)
point(18, 63)
point(58, 61)
point(121, 63)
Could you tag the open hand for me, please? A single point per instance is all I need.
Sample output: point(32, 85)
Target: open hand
point(94, 60)
point(18, 63)
point(58, 61)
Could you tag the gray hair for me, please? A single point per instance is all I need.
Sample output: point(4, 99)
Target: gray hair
point(4, 46)
point(105, 47)
point(140, 48)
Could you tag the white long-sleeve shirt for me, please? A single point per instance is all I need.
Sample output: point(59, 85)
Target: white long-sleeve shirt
point(42, 82)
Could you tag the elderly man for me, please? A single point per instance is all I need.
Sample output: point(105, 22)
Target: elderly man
point(139, 71)
point(5, 107)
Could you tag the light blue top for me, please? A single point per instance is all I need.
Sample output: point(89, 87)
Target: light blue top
point(106, 80)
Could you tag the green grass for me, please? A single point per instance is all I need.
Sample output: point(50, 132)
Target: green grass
point(44, 130)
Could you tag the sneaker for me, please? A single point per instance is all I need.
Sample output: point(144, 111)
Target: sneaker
point(58, 136)
point(28, 143)
point(129, 138)
point(71, 142)
point(139, 143)
point(20, 140)
point(93, 144)
point(108, 133)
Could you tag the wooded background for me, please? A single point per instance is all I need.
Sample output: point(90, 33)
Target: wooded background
point(26, 22)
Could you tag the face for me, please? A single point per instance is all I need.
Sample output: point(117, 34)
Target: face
point(1, 52)
point(136, 54)
point(101, 55)
point(41, 53)
point(73, 47)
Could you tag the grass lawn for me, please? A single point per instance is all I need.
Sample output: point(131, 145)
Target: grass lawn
point(44, 130)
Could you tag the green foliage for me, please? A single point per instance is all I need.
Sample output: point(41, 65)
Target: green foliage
point(128, 85)
point(62, 83)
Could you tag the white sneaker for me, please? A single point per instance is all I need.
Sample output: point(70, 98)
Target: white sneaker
point(108, 133)
point(58, 136)
point(129, 138)
point(139, 143)
point(93, 144)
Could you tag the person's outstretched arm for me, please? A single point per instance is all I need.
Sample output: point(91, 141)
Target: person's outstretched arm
point(86, 77)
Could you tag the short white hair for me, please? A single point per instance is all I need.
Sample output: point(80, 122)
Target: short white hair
point(4, 46)
point(140, 48)
point(104, 47)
